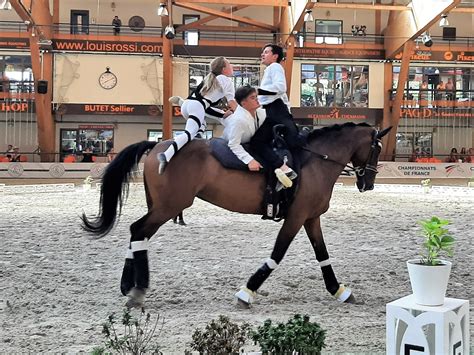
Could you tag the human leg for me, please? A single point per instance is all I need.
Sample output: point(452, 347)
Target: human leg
point(194, 112)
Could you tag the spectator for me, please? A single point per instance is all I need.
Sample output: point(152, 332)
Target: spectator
point(440, 88)
point(453, 156)
point(117, 23)
point(111, 155)
point(462, 155)
point(4, 83)
point(16, 155)
point(87, 156)
point(470, 156)
point(9, 152)
point(450, 94)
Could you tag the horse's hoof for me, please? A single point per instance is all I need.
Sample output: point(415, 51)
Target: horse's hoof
point(136, 299)
point(182, 223)
point(245, 297)
point(242, 304)
point(351, 299)
point(343, 294)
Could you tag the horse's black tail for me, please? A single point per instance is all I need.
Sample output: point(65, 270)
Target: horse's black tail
point(114, 190)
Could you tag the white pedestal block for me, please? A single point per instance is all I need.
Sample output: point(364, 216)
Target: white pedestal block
point(413, 329)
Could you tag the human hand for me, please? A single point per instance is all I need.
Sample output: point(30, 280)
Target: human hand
point(254, 165)
point(228, 113)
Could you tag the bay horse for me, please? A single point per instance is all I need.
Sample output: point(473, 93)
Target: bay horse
point(194, 172)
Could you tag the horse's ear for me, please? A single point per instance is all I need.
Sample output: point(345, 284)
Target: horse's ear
point(383, 132)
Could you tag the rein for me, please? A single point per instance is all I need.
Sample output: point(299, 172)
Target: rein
point(347, 169)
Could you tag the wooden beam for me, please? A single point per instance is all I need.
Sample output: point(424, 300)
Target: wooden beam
point(378, 20)
point(290, 51)
point(300, 22)
point(374, 7)
point(56, 19)
point(280, 3)
point(218, 13)
point(387, 106)
point(167, 125)
point(21, 10)
point(276, 16)
point(207, 19)
point(408, 49)
point(468, 10)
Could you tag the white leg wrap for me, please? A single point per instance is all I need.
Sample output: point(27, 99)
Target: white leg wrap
point(325, 263)
point(343, 293)
point(245, 295)
point(129, 254)
point(271, 263)
point(139, 245)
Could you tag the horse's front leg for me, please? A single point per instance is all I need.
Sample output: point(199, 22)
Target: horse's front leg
point(287, 233)
point(315, 235)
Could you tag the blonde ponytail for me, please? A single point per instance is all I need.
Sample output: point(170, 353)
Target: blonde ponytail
point(210, 82)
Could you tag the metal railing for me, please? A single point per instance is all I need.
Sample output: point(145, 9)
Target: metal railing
point(436, 98)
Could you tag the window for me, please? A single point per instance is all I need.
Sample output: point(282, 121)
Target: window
point(16, 75)
point(325, 85)
point(75, 141)
point(415, 145)
point(328, 31)
point(191, 37)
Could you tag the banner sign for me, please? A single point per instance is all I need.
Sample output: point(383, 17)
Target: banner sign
point(441, 56)
point(345, 53)
point(435, 113)
point(14, 43)
point(73, 45)
point(329, 113)
point(19, 106)
point(108, 109)
point(425, 170)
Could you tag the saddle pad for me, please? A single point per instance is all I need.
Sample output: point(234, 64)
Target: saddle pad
point(221, 151)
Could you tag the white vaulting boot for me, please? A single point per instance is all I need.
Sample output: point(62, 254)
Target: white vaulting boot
point(245, 295)
point(283, 178)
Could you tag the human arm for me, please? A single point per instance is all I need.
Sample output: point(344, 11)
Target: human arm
point(234, 132)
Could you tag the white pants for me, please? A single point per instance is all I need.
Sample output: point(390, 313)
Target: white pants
point(194, 113)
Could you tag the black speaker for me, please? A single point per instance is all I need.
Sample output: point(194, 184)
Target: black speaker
point(42, 87)
point(449, 33)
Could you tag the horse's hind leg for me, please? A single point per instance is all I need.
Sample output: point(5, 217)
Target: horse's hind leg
point(136, 276)
point(285, 237)
point(315, 235)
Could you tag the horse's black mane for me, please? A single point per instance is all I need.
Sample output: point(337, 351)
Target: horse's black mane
point(329, 130)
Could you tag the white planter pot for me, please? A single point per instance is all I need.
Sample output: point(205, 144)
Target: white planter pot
point(86, 187)
point(429, 283)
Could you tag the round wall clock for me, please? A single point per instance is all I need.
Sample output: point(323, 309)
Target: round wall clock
point(107, 79)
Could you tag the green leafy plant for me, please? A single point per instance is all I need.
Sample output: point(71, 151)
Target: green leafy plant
point(438, 241)
point(135, 338)
point(297, 335)
point(220, 337)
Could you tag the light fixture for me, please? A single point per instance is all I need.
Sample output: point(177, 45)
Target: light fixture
point(162, 10)
point(426, 39)
point(444, 21)
point(308, 16)
point(169, 32)
point(5, 5)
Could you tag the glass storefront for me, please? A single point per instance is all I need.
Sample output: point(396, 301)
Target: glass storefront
point(76, 141)
point(324, 85)
point(16, 75)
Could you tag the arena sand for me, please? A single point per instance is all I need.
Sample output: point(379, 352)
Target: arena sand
point(58, 285)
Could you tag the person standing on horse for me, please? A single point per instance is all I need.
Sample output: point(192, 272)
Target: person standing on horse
point(273, 98)
point(215, 86)
point(242, 125)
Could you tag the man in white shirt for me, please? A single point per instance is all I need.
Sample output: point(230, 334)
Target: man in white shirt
point(242, 125)
point(272, 96)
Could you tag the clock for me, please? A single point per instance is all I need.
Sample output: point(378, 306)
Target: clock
point(107, 80)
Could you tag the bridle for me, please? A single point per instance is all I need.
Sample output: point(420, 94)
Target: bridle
point(360, 170)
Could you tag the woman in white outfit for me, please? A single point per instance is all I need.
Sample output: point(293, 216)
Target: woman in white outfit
point(215, 86)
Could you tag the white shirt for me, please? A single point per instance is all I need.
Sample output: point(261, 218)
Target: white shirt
point(273, 80)
point(226, 89)
point(239, 129)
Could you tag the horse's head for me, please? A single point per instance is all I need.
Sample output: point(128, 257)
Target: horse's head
point(365, 160)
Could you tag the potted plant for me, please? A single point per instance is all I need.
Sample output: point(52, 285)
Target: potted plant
point(87, 183)
point(470, 183)
point(428, 274)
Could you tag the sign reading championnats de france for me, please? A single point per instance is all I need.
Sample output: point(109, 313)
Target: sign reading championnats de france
point(425, 170)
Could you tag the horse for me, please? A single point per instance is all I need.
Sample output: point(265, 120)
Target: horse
point(194, 172)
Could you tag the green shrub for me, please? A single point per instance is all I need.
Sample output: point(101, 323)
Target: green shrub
point(220, 337)
point(136, 337)
point(298, 334)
